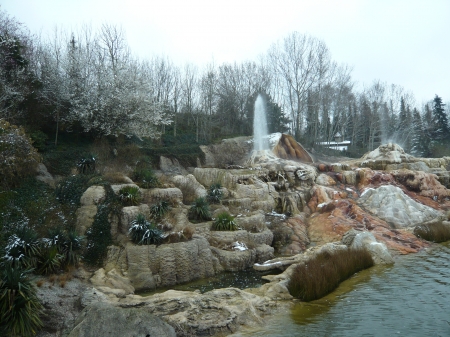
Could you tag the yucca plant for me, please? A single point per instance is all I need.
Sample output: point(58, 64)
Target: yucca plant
point(68, 243)
point(49, 260)
point(159, 209)
point(22, 248)
point(215, 193)
point(224, 222)
point(129, 195)
point(143, 232)
point(200, 210)
point(19, 305)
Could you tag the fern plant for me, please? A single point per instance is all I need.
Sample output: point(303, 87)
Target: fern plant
point(224, 222)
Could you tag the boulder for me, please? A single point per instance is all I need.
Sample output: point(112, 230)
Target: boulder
point(378, 250)
point(44, 176)
point(103, 319)
point(325, 180)
point(216, 312)
point(150, 266)
point(85, 218)
point(425, 184)
point(172, 195)
point(94, 195)
point(112, 279)
point(171, 166)
point(190, 187)
point(395, 207)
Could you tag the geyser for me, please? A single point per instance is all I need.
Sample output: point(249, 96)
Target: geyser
point(260, 131)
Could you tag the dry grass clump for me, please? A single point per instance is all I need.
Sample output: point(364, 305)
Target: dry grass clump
point(321, 275)
point(188, 232)
point(115, 178)
point(434, 232)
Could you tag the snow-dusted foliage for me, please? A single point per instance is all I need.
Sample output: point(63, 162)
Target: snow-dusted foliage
point(18, 158)
point(92, 80)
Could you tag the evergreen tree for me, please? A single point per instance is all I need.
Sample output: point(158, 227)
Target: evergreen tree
point(441, 130)
point(419, 144)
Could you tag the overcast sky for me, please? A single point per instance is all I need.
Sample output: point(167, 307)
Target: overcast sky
point(405, 42)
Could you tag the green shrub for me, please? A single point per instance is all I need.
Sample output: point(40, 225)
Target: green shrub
point(435, 232)
point(200, 210)
point(98, 236)
point(70, 190)
point(19, 306)
point(322, 274)
point(215, 193)
point(143, 232)
point(159, 209)
point(129, 195)
point(224, 222)
point(18, 158)
point(145, 178)
point(39, 139)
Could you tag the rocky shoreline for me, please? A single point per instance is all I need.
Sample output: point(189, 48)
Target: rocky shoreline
point(374, 202)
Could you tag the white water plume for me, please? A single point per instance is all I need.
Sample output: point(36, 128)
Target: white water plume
point(260, 130)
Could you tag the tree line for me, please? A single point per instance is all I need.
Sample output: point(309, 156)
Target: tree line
point(89, 82)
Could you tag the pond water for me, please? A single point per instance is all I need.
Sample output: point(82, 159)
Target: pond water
point(249, 278)
point(410, 298)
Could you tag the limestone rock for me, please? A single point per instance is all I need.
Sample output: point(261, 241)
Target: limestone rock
point(171, 166)
point(85, 217)
point(112, 279)
point(288, 148)
point(150, 266)
point(426, 184)
point(94, 195)
point(378, 250)
point(325, 180)
point(129, 214)
point(172, 195)
point(91, 296)
point(103, 319)
point(190, 187)
point(44, 176)
point(392, 205)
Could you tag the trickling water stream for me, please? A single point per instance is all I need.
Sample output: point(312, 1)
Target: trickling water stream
point(410, 298)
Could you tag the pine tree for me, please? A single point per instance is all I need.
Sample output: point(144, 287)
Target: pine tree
point(419, 145)
point(441, 130)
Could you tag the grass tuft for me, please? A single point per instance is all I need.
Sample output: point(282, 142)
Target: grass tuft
point(434, 232)
point(322, 274)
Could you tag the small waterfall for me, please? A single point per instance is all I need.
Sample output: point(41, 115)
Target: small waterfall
point(260, 130)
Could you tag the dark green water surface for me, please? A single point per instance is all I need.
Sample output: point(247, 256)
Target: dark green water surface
point(410, 298)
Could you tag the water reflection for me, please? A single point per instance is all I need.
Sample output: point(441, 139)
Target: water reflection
point(411, 298)
point(249, 278)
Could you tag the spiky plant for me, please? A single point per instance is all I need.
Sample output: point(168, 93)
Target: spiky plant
point(143, 232)
point(129, 195)
point(49, 260)
point(200, 210)
point(19, 305)
point(224, 222)
point(159, 209)
point(22, 248)
point(215, 193)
